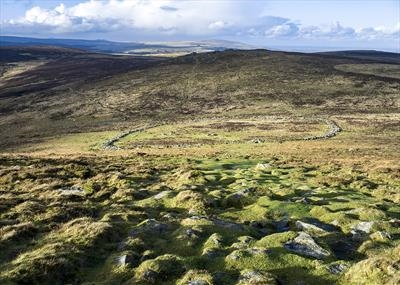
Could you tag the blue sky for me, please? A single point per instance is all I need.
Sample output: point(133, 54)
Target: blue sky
point(360, 24)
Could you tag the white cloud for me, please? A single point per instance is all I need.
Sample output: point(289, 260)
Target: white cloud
point(218, 25)
point(284, 30)
point(186, 18)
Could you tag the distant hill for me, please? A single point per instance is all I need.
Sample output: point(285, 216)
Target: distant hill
point(389, 57)
point(103, 46)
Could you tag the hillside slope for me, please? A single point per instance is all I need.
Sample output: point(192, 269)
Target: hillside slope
point(82, 91)
point(221, 168)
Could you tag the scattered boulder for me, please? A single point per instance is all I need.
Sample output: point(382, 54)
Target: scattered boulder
point(263, 166)
point(163, 194)
point(211, 252)
point(305, 245)
point(257, 140)
point(150, 226)
point(192, 233)
point(128, 259)
point(361, 229)
point(309, 228)
point(73, 190)
point(228, 225)
point(254, 277)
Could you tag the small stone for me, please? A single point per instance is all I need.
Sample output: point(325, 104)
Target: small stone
point(258, 251)
point(150, 275)
point(337, 268)
point(305, 245)
point(162, 195)
point(228, 225)
point(192, 233)
point(73, 190)
point(198, 282)
point(211, 252)
point(249, 277)
point(127, 259)
point(257, 140)
point(282, 225)
point(151, 226)
point(263, 166)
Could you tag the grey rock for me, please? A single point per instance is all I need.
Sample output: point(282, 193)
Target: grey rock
point(163, 194)
point(127, 259)
point(337, 268)
point(257, 140)
point(258, 251)
point(151, 226)
point(305, 245)
point(334, 129)
point(150, 275)
point(282, 225)
point(309, 227)
point(395, 222)
point(191, 233)
point(228, 225)
point(73, 190)
point(198, 282)
point(249, 277)
point(212, 252)
point(263, 166)
point(361, 229)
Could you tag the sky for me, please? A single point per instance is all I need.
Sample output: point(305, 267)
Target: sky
point(317, 24)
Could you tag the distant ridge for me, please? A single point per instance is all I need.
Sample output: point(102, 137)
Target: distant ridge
point(136, 48)
point(389, 57)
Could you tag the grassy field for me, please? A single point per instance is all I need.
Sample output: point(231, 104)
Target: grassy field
point(220, 186)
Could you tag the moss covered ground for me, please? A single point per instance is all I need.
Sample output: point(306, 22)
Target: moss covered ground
point(150, 219)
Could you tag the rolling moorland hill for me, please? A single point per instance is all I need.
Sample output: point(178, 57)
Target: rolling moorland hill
point(226, 167)
point(132, 48)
